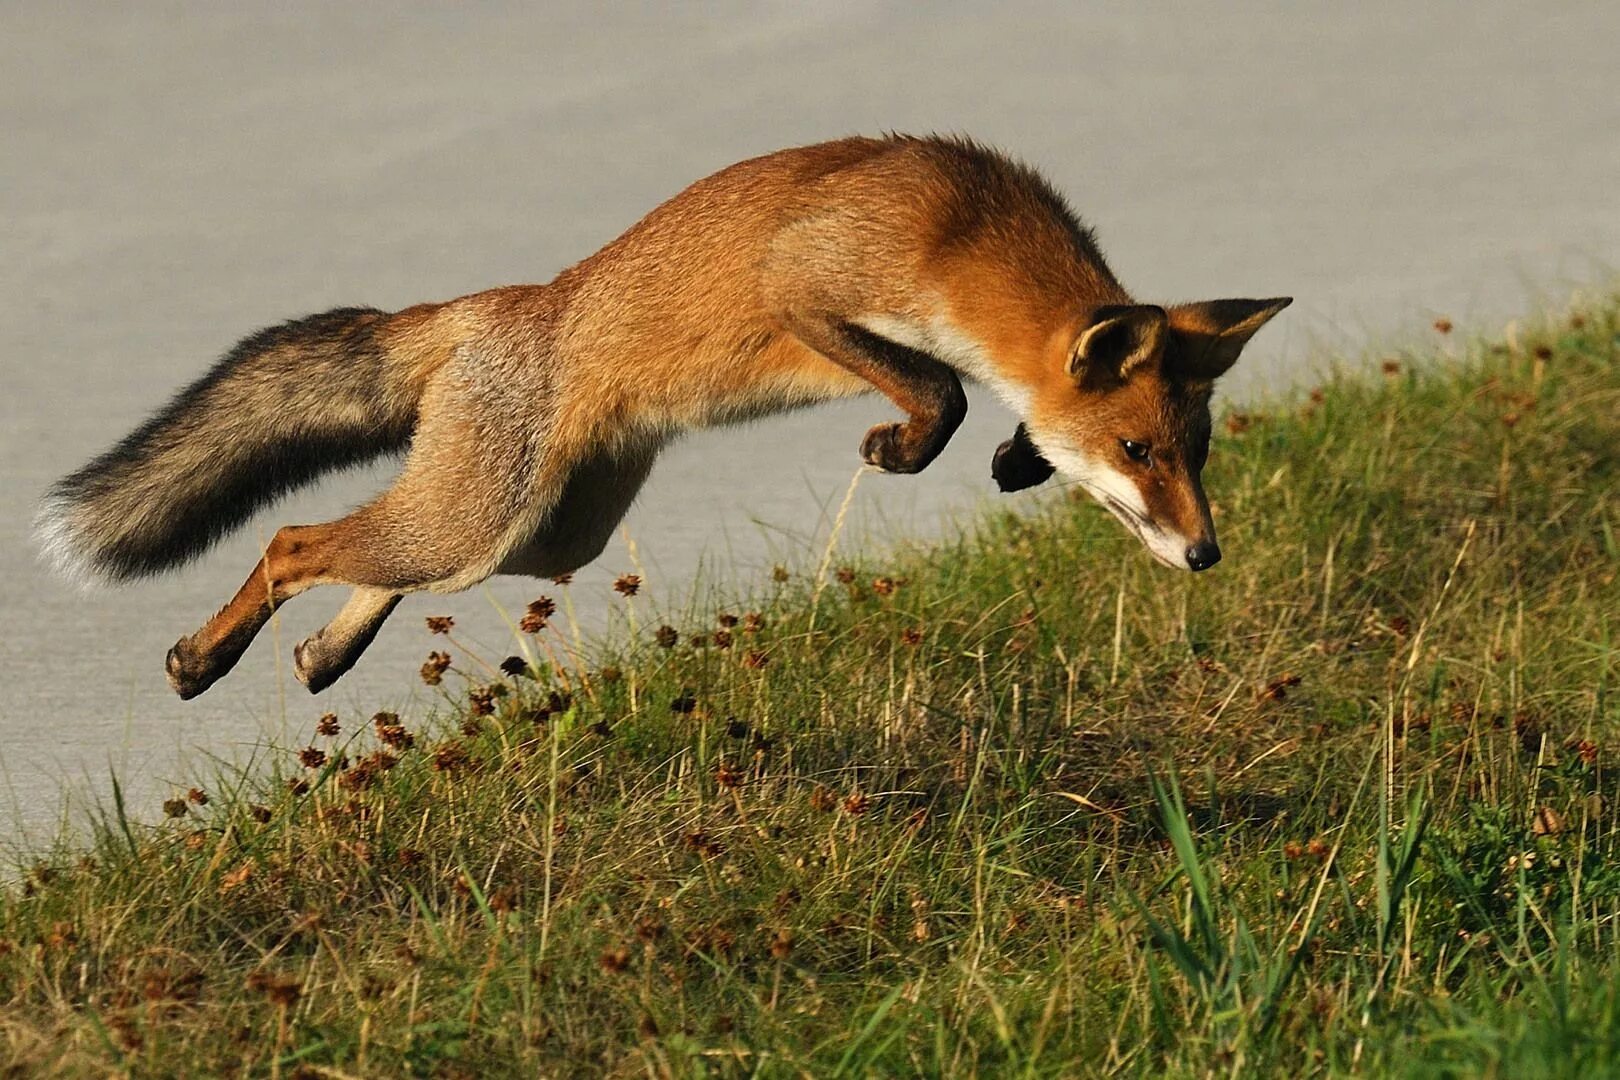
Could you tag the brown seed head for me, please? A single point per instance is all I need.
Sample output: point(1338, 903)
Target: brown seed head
point(779, 573)
point(722, 639)
point(822, 800)
point(280, 992)
point(1442, 325)
point(366, 771)
point(434, 668)
point(753, 622)
point(538, 615)
point(614, 960)
point(704, 844)
point(515, 666)
point(312, 757)
point(755, 658)
point(451, 757)
point(726, 619)
point(857, 803)
point(727, 775)
point(390, 732)
point(912, 636)
point(174, 808)
point(327, 725)
point(197, 796)
point(666, 636)
point(440, 624)
point(627, 584)
point(885, 586)
point(562, 579)
point(845, 575)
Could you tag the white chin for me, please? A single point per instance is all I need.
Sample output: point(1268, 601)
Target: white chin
point(1161, 546)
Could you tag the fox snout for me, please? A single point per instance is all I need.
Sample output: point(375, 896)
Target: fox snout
point(1203, 555)
point(1170, 545)
point(1173, 546)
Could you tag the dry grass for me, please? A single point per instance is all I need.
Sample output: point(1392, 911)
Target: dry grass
point(919, 832)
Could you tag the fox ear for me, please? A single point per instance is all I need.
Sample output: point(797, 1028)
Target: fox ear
point(1212, 333)
point(1120, 340)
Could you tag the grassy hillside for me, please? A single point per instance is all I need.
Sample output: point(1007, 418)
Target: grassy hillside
point(1019, 804)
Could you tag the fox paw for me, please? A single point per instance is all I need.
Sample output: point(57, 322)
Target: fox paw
point(885, 448)
point(318, 665)
point(1017, 464)
point(189, 671)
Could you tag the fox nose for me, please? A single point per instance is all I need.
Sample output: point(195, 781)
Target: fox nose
point(1203, 555)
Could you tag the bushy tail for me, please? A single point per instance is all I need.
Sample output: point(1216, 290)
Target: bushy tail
point(285, 405)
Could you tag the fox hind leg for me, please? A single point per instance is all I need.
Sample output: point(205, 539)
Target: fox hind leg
point(595, 498)
point(326, 655)
point(462, 502)
point(292, 562)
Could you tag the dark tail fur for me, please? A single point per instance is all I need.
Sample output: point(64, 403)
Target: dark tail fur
point(285, 405)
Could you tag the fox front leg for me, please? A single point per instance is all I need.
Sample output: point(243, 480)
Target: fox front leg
point(930, 392)
point(1017, 464)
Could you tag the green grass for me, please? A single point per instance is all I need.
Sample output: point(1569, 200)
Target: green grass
point(1018, 804)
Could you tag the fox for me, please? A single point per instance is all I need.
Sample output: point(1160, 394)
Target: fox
point(529, 416)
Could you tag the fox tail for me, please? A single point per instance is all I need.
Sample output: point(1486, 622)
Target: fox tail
point(285, 405)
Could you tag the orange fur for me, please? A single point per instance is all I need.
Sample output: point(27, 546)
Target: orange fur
point(898, 264)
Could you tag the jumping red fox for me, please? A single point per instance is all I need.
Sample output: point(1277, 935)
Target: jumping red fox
point(530, 415)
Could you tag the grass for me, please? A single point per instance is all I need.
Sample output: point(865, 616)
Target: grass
point(1018, 804)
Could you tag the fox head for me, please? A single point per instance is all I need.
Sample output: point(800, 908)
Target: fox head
point(1130, 420)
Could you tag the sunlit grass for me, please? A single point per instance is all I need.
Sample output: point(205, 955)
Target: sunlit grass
point(1018, 803)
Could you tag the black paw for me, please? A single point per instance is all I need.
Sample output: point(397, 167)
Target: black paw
point(1017, 464)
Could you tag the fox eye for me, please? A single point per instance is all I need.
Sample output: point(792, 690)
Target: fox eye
point(1137, 451)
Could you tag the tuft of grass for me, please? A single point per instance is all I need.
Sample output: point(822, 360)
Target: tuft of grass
point(1016, 804)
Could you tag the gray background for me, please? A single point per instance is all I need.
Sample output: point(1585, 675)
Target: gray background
point(172, 178)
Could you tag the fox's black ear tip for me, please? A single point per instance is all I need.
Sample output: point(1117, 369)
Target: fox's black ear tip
point(1277, 303)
